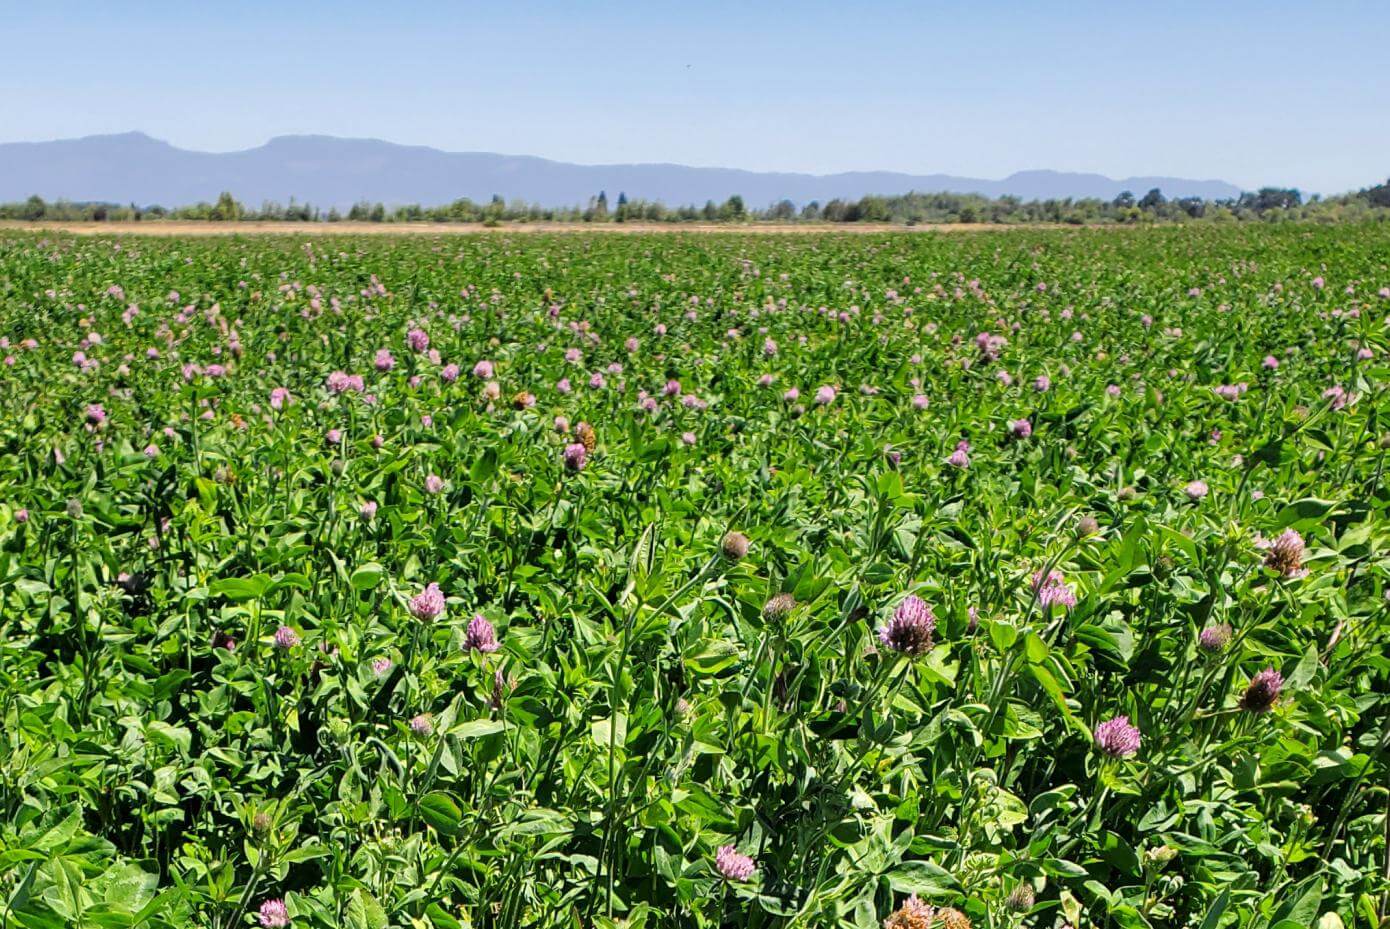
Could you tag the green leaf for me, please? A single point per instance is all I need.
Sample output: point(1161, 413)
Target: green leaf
point(440, 810)
point(710, 656)
point(1302, 903)
point(922, 877)
point(363, 911)
point(367, 576)
point(127, 887)
point(484, 468)
point(239, 589)
point(477, 728)
point(1218, 907)
point(1304, 514)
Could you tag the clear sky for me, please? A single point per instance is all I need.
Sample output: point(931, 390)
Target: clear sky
point(1253, 93)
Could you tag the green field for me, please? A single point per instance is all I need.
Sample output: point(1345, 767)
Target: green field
point(783, 581)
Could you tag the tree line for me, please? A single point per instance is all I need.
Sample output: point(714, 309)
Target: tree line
point(1269, 204)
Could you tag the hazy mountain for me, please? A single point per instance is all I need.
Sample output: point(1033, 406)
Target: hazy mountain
point(327, 171)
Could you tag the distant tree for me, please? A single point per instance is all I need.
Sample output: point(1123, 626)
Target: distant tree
point(1124, 201)
point(34, 208)
point(782, 210)
point(733, 209)
point(1152, 200)
point(620, 214)
point(226, 210)
point(378, 214)
point(333, 215)
point(710, 211)
point(835, 211)
point(1195, 207)
point(811, 210)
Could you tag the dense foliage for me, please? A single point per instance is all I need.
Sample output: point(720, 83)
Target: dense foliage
point(1025, 578)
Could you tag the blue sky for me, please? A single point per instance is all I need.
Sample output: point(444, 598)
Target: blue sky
point(1252, 93)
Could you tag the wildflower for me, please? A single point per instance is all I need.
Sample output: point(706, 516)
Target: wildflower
point(1117, 738)
point(422, 724)
point(384, 360)
point(96, 414)
point(1042, 383)
point(381, 666)
point(825, 395)
point(1336, 396)
point(1263, 691)
point(1020, 899)
point(574, 456)
point(734, 546)
point(483, 369)
point(1196, 490)
point(417, 339)
point(586, 435)
point(731, 864)
point(21, 515)
point(952, 918)
point(433, 484)
point(1087, 526)
point(274, 915)
point(1285, 554)
point(959, 458)
point(74, 508)
point(333, 436)
point(279, 397)
point(779, 607)
point(428, 604)
point(286, 638)
point(1214, 638)
point(1020, 428)
point(1052, 590)
point(910, 629)
point(499, 688)
point(480, 636)
point(341, 382)
point(913, 914)
point(368, 510)
point(261, 822)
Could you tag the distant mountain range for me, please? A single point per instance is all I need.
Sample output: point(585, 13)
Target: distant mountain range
point(327, 171)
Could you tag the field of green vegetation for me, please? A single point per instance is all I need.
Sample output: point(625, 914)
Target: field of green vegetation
point(1030, 579)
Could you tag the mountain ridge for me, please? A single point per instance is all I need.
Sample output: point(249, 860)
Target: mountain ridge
point(334, 171)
